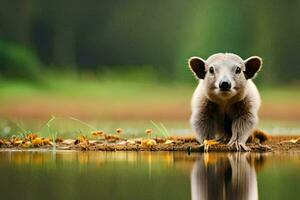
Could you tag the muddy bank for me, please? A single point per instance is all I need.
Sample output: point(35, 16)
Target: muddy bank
point(116, 143)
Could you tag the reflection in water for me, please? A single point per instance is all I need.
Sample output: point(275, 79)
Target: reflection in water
point(224, 176)
point(32, 175)
point(92, 157)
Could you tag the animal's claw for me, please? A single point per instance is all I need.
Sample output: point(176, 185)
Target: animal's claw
point(239, 146)
point(221, 140)
point(264, 147)
point(208, 143)
point(245, 147)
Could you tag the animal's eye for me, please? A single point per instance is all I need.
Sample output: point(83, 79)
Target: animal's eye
point(211, 70)
point(238, 70)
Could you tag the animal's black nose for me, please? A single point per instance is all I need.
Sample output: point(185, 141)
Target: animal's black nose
point(224, 85)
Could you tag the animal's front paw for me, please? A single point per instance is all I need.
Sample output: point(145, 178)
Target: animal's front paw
point(238, 145)
point(208, 143)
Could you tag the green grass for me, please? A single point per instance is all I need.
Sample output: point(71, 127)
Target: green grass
point(109, 90)
point(280, 93)
point(161, 129)
point(73, 127)
point(113, 89)
point(68, 128)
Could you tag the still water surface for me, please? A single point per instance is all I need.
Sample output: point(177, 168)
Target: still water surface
point(148, 175)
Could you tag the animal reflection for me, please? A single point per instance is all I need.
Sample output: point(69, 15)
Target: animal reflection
point(225, 176)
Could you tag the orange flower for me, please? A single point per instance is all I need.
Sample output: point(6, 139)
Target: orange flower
point(149, 131)
point(149, 142)
point(31, 136)
point(37, 141)
point(119, 130)
point(97, 133)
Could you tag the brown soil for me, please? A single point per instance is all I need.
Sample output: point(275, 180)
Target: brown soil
point(178, 143)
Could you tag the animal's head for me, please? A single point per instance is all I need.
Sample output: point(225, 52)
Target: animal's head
point(225, 75)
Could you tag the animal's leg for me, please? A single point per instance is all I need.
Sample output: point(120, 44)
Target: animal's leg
point(204, 127)
point(241, 130)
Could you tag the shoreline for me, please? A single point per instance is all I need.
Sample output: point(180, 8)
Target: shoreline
point(175, 143)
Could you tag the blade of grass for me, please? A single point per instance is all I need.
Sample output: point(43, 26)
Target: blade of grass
point(84, 123)
point(20, 127)
point(165, 129)
point(52, 134)
point(158, 128)
point(50, 120)
point(23, 132)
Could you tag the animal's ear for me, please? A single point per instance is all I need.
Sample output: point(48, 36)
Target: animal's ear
point(253, 65)
point(197, 65)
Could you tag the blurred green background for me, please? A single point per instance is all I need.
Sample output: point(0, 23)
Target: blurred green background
point(121, 36)
point(123, 60)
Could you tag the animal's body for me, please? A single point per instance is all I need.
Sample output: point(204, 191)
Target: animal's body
point(226, 102)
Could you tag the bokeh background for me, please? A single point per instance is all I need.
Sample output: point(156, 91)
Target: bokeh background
point(119, 60)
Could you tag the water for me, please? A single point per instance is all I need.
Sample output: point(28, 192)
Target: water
point(148, 175)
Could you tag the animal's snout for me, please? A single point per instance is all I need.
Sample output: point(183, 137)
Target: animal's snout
point(224, 85)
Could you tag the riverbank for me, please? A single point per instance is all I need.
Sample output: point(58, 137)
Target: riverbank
point(117, 143)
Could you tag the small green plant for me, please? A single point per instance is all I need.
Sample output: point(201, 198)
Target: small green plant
point(161, 129)
point(23, 133)
point(53, 134)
